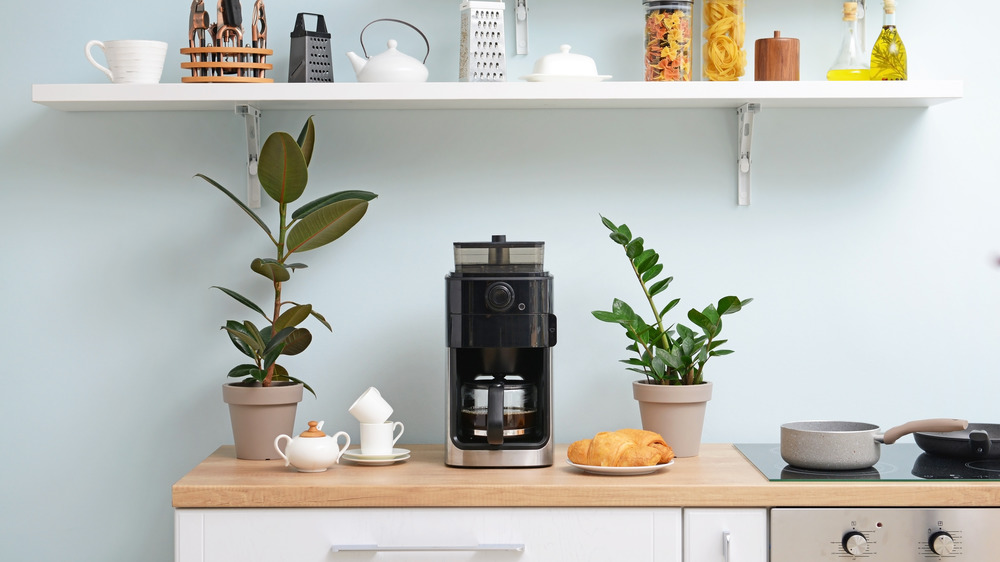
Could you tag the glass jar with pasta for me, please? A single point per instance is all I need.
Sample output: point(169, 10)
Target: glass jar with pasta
point(723, 55)
point(668, 40)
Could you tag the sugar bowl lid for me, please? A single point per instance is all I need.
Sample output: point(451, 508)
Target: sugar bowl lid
point(314, 430)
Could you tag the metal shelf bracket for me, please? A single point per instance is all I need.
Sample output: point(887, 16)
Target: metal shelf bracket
point(252, 117)
point(744, 117)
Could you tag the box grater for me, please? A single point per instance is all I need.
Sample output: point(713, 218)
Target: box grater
point(482, 54)
point(309, 58)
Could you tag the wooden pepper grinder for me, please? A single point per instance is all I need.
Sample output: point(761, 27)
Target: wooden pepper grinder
point(776, 58)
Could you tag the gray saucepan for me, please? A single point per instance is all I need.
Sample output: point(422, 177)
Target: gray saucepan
point(840, 445)
point(978, 441)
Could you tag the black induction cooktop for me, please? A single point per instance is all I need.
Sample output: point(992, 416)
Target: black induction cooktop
point(899, 462)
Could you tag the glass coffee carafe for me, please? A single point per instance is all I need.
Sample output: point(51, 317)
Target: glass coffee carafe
point(499, 408)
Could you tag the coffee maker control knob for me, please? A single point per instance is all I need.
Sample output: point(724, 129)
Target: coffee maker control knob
point(499, 296)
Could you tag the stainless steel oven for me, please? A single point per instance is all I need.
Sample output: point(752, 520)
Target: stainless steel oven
point(967, 534)
point(887, 534)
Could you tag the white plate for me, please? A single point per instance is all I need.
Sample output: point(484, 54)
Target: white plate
point(619, 470)
point(375, 462)
point(356, 454)
point(565, 78)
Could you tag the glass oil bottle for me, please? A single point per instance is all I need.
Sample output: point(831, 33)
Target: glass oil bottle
point(852, 60)
point(888, 60)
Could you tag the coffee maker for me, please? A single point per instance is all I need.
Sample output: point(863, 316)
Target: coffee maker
point(500, 331)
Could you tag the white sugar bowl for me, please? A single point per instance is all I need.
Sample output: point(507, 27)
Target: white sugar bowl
point(312, 450)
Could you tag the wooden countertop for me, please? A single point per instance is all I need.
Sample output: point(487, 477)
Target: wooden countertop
point(719, 477)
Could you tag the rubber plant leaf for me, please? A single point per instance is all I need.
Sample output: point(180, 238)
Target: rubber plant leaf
point(325, 225)
point(277, 340)
point(330, 199)
point(237, 333)
point(244, 337)
point(271, 269)
point(246, 209)
point(306, 140)
point(316, 315)
point(240, 371)
point(242, 300)
point(292, 317)
point(282, 168)
point(297, 341)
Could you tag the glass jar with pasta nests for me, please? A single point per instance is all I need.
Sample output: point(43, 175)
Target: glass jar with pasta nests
point(668, 40)
point(723, 55)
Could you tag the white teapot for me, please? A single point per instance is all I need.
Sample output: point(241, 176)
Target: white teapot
point(391, 65)
point(312, 450)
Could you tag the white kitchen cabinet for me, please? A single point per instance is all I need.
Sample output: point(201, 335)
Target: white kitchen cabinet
point(433, 534)
point(725, 535)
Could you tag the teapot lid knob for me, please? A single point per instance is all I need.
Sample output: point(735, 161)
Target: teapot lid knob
point(392, 44)
point(313, 431)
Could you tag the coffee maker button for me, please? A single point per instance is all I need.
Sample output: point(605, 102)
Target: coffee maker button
point(499, 296)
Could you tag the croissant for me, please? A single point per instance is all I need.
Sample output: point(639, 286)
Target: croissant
point(621, 448)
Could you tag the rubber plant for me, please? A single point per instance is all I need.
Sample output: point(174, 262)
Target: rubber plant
point(665, 354)
point(283, 170)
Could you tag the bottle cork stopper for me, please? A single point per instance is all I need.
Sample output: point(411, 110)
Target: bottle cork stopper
point(850, 11)
point(889, 6)
point(313, 431)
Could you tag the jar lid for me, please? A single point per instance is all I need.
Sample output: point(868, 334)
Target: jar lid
point(313, 430)
point(667, 3)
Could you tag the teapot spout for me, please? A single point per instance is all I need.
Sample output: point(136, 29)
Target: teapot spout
point(357, 62)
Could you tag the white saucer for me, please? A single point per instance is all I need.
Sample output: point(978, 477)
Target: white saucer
point(357, 455)
point(565, 78)
point(374, 462)
point(619, 470)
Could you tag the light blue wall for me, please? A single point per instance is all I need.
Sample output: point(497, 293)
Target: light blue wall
point(870, 250)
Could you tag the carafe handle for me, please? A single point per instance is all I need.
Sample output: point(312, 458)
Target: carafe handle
point(494, 414)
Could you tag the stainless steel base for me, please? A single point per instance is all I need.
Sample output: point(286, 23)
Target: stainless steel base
point(505, 458)
point(887, 534)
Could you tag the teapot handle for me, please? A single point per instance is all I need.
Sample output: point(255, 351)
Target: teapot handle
point(278, 440)
point(426, 42)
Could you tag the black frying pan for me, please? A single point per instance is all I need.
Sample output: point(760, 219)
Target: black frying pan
point(979, 441)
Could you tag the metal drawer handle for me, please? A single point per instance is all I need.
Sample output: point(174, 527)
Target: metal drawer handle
point(726, 540)
point(476, 548)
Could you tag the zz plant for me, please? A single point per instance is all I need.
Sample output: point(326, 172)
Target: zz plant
point(283, 170)
point(673, 354)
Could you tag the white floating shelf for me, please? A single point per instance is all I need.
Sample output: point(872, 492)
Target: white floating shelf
point(504, 95)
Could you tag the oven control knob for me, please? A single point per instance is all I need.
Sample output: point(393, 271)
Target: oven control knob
point(854, 543)
point(942, 543)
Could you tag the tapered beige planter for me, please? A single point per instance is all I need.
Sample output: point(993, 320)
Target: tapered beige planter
point(677, 412)
point(259, 415)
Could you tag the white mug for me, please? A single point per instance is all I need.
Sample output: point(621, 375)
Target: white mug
point(130, 61)
point(378, 439)
point(370, 407)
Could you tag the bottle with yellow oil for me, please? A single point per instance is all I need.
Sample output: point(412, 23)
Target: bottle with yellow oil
point(888, 60)
point(852, 60)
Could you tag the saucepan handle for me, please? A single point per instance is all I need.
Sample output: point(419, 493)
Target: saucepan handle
point(935, 424)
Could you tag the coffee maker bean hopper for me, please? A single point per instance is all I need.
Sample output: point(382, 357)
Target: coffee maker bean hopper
point(500, 331)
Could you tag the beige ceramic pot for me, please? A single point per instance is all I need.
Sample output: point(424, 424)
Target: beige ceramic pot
point(677, 412)
point(259, 415)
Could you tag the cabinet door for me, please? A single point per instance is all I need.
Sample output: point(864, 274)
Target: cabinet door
point(432, 534)
point(725, 535)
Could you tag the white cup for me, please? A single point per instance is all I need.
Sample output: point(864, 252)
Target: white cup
point(378, 439)
point(130, 61)
point(370, 407)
